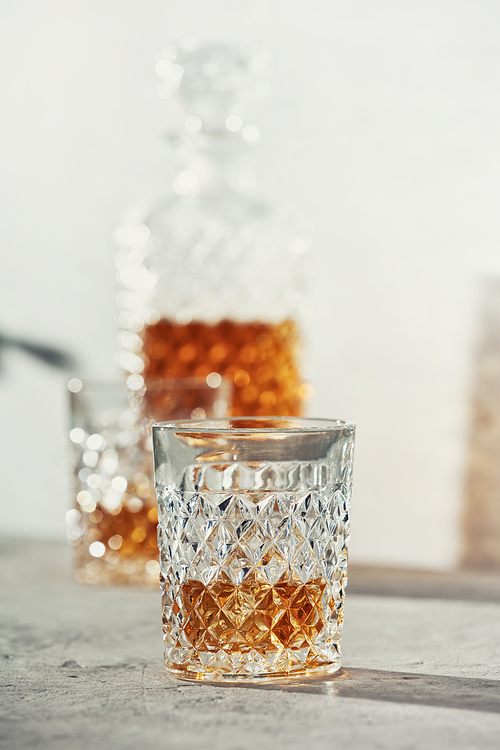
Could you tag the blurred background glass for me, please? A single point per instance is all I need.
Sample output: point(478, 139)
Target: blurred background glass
point(381, 125)
point(113, 518)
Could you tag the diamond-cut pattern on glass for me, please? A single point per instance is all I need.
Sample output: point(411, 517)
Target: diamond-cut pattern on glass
point(252, 581)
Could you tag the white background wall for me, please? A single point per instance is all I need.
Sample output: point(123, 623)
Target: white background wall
point(382, 128)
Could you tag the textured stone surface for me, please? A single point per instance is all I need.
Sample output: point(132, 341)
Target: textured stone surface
point(82, 668)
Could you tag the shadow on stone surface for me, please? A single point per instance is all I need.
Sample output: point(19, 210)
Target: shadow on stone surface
point(467, 693)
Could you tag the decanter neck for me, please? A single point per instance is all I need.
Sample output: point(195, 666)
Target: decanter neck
point(215, 161)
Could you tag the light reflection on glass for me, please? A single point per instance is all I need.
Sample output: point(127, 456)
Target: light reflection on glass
point(97, 549)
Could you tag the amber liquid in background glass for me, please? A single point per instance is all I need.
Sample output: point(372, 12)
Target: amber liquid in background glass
point(129, 536)
point(260, 360)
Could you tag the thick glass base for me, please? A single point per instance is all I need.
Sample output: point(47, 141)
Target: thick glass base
point(217, 676)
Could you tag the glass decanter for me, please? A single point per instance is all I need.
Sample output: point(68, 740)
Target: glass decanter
point(212, 278)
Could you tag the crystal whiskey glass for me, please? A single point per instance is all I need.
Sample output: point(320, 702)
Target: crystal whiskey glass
point(253, 531)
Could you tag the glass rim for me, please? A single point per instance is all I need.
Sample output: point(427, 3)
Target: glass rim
point(296, 425)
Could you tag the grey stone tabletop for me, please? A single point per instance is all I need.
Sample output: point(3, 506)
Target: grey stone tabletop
point(82, 668)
